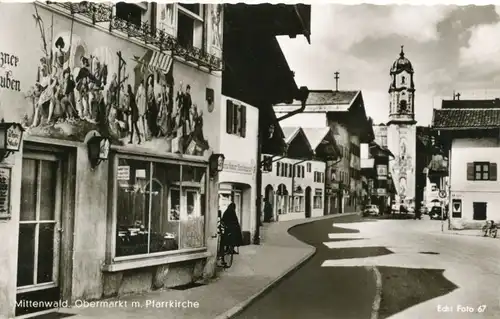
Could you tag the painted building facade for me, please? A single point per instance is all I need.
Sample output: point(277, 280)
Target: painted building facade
point(143, 219)
point(237, 182)
point(401, 128)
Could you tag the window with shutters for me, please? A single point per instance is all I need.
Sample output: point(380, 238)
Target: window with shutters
point(482, 171)
point(236, 119)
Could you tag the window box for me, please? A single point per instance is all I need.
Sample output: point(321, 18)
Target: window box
point(158, 210)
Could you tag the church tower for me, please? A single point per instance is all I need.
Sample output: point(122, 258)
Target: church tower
point(401, 131)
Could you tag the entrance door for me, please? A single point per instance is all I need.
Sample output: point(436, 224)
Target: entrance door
point(308, 202)
point(39, 233)
point(479, 210)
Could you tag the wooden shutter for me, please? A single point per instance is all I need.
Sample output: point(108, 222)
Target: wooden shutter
point(243, 120)
point(229, 117)
point(493, 171)
point(470, 171)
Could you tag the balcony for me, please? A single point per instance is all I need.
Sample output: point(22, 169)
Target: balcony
point(102, 13)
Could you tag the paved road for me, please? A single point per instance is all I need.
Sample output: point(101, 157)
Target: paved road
point(425, 274)
point(319, 292)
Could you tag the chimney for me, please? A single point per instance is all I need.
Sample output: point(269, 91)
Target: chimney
point(336, 81)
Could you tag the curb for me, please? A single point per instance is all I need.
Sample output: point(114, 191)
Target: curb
point(378, 291)
point(244, 304)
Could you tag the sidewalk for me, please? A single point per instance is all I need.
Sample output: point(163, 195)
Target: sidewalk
point(254, 270)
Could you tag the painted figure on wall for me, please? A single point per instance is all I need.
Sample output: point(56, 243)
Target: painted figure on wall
point(216, 25)
point(73, 93)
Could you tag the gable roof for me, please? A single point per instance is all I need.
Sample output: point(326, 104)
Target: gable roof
point(322, 101)
point(290, 133)
point(316, 135)
point(466, 118)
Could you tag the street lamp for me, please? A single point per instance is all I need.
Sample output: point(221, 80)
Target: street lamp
point(98, 150)
point(216, 164)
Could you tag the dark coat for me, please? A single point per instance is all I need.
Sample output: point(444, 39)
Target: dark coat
point(232, 232)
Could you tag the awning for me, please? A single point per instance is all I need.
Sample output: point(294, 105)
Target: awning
point(160, 62)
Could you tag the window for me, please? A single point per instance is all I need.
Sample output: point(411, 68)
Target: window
point(131, 12)
point(290, 170)
point(283, 169)
point(267, 163)
point(278, 168)
point(384, 140)
point(482, 171)
point(309, 167)
point(403, 80)
point(318, 199)
point(39, 218)
point(190, 25)
point(160, 207)
point(236, 119)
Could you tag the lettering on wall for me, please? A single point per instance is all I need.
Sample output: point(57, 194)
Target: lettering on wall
point(8, 62)
point(4, 193)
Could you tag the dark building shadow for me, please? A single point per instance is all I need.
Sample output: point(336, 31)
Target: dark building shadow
point(403, 288)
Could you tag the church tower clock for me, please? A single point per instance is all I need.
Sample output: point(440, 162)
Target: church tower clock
point(401, 132)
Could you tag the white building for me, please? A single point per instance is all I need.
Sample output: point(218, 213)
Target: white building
point(470, 130)
point(295, 187)
point(238, 142)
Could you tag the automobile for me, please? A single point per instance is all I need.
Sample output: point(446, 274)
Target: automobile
point(371, 210)
point(436, 213)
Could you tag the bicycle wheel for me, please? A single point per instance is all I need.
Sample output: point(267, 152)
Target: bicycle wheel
point(228, 256)
point(220, 254)
point(485, 232)
point(493, 233)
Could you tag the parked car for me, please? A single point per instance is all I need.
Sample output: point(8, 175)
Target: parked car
point(436, 213)
point(371, 210)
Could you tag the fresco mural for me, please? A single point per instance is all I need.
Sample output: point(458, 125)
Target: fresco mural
point(126, 92)
point(217, 25)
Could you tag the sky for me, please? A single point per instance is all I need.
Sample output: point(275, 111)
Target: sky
point(452, 48)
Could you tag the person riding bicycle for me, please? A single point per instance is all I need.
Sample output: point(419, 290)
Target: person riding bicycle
point(232, 235)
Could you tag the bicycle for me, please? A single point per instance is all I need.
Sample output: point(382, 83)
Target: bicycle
point(224, 252)
point(490, 228)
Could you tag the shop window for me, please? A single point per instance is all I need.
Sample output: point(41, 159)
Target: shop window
point(318, 201)
point(236, 119)
point(190, 25)
point(131, 12)
point(160, 207)
point(298, 204)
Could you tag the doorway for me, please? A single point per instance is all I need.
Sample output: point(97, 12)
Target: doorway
point(308, 202)
point(38, 277)
point(479, 210)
